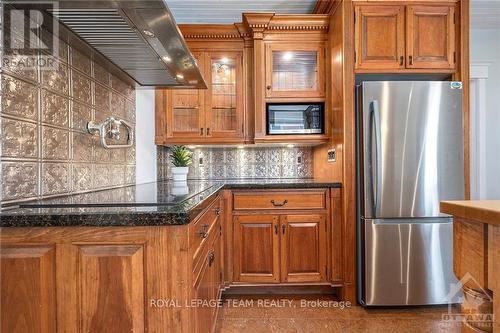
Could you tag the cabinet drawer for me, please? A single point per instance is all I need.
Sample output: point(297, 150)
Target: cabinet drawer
point(203, 251)
point(200, 229)
point(279, 200)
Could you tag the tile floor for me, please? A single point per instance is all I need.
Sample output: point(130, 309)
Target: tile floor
point(248, 314)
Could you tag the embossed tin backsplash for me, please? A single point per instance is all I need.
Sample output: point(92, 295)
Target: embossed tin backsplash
point(45, 149)
point(247, 162)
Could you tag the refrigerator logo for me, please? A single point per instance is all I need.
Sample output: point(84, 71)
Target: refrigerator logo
point(456, 85)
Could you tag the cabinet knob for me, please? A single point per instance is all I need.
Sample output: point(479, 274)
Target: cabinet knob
point(268, 87)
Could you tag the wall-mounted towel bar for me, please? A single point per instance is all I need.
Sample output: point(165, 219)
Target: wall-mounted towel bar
point(110, 128)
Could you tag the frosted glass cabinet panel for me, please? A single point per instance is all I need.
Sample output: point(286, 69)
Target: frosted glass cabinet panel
point(294, 70)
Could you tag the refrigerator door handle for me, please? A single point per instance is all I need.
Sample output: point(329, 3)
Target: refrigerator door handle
point(375, 162)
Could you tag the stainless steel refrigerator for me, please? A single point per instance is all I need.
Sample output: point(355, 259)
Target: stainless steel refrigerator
point(410, 157)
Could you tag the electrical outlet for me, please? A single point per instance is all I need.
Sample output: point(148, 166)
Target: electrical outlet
point(332, 155)
point(299, 159)
point(200, 161)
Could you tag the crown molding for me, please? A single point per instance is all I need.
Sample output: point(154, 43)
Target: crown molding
point(210, 31)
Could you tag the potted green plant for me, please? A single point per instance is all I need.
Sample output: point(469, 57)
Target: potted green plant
point(181, 158)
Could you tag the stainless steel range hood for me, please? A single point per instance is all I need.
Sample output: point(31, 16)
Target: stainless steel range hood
point(139, 36)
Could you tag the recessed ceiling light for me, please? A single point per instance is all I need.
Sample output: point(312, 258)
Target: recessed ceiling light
point(287, 56)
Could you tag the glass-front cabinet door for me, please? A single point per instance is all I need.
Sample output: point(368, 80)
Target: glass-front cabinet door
point(295, 70)
point(185, 112)
point(224, 97)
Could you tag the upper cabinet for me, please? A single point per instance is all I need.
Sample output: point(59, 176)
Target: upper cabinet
point(430, 36)
point(380, 40)
point(405, 38)
point(214, 115)
point(224, 97)
point(295, 70)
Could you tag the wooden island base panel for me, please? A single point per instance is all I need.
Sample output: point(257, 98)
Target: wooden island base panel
point(476, 261)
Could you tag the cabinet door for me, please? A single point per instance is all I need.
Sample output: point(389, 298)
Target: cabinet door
point(430, 37)
point(303, 248)
point(256, 248)
point(28, 289)
point(111, 283)
point(224, 97)
point(379, 37)
point(203, 292)
point(185, 110)
point(295, 70)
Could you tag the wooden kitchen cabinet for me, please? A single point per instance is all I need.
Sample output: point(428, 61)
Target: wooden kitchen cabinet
point(295, 70)
point(256, 248)
point(303, 248)
point(430, 37)
point(280, 236)
point(28, 291)
point(112, 279)
point(380, 37)
point(402, 38)
point(214, 115)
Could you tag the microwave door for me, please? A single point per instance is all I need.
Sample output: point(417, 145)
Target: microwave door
point(294, 119)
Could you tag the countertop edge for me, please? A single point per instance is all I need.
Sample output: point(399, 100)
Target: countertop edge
point(137, 218)
point(466, 210)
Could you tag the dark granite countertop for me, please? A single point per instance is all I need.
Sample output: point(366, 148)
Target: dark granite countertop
point(150, 204)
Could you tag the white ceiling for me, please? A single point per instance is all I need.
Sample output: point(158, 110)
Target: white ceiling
point(485, 14)
point(229, 11)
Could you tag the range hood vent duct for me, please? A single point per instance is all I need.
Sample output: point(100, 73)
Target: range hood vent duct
point(139, 36)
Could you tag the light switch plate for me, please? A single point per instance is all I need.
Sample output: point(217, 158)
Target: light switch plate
point(332, 155)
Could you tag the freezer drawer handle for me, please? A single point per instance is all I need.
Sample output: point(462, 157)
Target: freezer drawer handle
point(279, 204)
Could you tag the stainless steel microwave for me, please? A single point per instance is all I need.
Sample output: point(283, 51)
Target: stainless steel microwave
point(295, 118)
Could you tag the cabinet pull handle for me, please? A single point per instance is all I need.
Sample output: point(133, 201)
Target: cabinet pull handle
point(283, 227)
point(401, 59)
point(208, 130)
point(411, 60)
point(268, 87)
point(203, 232)
point(211, 258)
point(279, 204)
point(276, 229)
point(201, 130)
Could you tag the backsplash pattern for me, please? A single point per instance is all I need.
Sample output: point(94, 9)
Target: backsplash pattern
point(240, 163)
point(45, 148)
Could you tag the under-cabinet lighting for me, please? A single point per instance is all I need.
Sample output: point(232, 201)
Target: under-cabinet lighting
point(148, 33)
point(180, 76)
point(290, 146)
point(240, 147)
point(166, 58)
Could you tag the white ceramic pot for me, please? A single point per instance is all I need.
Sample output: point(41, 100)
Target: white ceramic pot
point(179, 174)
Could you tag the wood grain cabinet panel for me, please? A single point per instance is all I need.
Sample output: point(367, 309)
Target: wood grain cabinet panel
point(205, 116)
point(430, 37)
point(112, 288)
point(256, 248)
point(380, 37)
point(28, 293)
point(303, 248)
point(279, 200)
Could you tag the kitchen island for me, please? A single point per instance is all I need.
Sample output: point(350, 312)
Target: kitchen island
point(476, 260)
point(155, 257)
